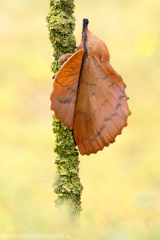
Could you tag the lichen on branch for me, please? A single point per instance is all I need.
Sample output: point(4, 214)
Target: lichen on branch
point(61, 24)
point(67, 184)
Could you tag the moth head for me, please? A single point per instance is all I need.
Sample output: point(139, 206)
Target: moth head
point(85, 23)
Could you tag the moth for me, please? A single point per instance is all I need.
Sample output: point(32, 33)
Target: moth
point(88, 95)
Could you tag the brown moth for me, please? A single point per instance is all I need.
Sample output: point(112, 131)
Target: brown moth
point(88, 95)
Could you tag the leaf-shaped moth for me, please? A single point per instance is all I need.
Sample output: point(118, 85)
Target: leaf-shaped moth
point(88, 95)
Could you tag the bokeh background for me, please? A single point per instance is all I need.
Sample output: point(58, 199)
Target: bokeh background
point(121, 196)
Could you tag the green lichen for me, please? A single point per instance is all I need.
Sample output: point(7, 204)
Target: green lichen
point(67, 184)
point(61, 24)
point(67, 181)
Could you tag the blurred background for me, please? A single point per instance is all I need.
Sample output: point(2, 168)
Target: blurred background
point(121, 196)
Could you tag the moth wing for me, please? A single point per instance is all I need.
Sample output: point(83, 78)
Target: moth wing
point(65, 86)
point(101, 108)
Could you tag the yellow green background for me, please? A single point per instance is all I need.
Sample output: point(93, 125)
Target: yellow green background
point(121, 196)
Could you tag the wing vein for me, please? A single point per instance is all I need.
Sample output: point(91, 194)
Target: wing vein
point(113, 108)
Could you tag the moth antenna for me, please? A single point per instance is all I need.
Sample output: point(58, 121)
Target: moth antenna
point(85, 40)
point(55, 57)
point(85, 24)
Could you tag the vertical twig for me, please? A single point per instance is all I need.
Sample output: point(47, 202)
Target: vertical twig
point(67, 184)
